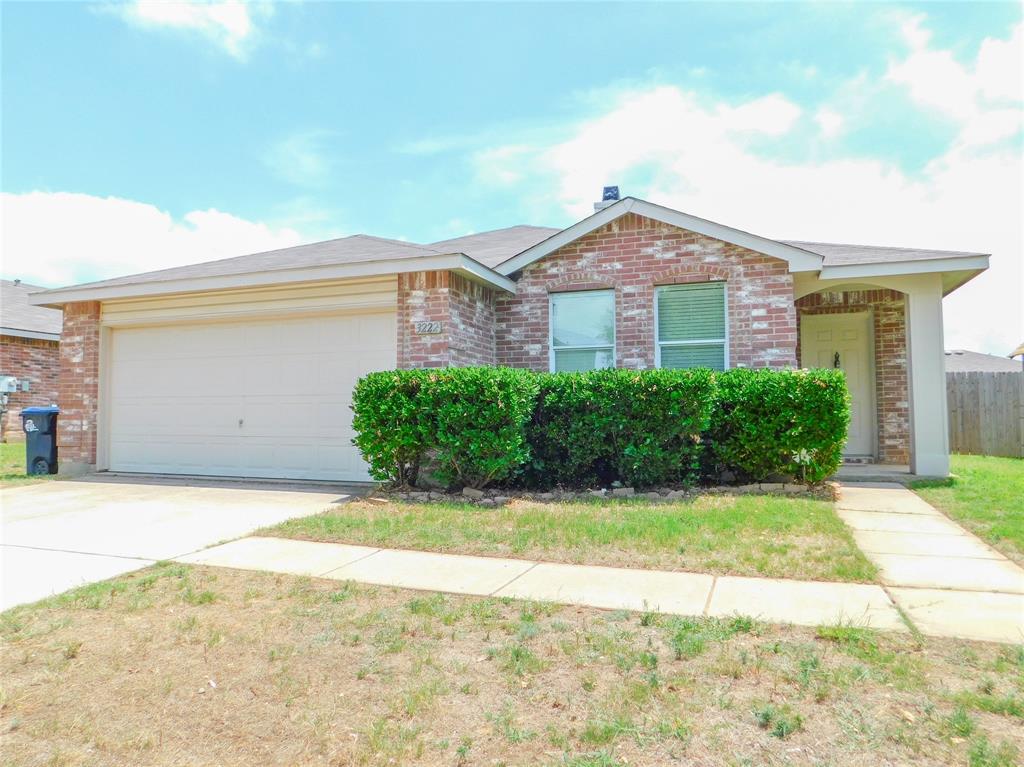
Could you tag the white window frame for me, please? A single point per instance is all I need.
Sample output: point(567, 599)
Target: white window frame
point(657, 326)
point(551, 327)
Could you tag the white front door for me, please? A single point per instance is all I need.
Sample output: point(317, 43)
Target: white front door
point(254, 398)
point(844, 341)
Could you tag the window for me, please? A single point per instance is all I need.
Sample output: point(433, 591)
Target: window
point(582, 330)
point(691, 326)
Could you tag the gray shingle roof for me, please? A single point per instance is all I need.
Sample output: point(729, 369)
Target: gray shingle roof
point(488, 248)
point(964, 361)
point(493, 247)
point(837, 254)
point(18, 316)
point(356, 248)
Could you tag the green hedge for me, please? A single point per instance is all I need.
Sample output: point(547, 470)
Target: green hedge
point(501, 426)
point(788, 422)
point(641, 427)
point(468, 423)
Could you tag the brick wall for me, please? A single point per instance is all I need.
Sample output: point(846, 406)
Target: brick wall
point(29, 359)
point(888, 310)
point(633, 255)
point(78, 389)
point(465, 310)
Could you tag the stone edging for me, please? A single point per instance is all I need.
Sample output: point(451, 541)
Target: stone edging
point(489, 498)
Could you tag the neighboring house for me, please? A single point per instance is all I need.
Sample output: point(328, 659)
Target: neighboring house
point(29, 339)
point(964, 361)
point(245, 366)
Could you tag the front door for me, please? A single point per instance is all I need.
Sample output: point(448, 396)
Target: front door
point(844, 341)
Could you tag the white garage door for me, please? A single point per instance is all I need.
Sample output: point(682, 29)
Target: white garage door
point(248, 399)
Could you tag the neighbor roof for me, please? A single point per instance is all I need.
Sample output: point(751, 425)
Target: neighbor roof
point(491, 257)
point(964, 361)
point(20, 318)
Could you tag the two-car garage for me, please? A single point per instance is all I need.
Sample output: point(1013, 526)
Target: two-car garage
point(265, 394)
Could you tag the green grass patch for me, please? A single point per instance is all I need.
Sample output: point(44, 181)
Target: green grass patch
point(986, 495)
point(12, 465)
point(759, 535)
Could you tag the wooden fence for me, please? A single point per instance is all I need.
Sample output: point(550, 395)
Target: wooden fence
point(986, 413)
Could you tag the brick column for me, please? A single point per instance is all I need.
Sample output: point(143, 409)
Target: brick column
point(78, 387)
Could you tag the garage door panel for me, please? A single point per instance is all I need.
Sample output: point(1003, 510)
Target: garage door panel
point(178, 393)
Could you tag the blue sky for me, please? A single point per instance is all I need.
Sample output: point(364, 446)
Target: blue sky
point(150, 136)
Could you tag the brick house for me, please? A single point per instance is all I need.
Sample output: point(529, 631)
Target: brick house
point(245, 366)
point(29, 351)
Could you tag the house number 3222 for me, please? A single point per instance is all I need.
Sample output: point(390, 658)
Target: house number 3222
point(428, 328)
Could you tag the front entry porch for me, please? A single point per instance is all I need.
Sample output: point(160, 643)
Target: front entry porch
point(887, 337)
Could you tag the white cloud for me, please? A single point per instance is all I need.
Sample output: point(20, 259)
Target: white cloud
point(677, 150)
point(301, 158)
point(229, 24)
point(62, 238)
point(829, 121)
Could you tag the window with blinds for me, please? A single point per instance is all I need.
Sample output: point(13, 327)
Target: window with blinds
point(582, 330)
point(691, 326)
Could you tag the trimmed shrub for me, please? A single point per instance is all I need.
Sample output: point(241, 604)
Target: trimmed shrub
point(640, 427)
point(482, 426)
point(474, 421)
point(387, 419)
point(789, 422)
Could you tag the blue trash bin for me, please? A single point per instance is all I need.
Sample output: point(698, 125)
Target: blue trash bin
point(40, 427)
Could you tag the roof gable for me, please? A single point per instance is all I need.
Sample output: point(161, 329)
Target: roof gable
point(799, 260)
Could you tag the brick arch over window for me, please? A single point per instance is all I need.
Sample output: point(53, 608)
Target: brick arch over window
point(680, 275)
point(581, 281)
point(633, 255)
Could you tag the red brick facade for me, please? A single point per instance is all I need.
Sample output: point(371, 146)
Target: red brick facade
point(28, 359)
point(633, 255)
point(79, 384)
point(888, 311)
point(465, 310)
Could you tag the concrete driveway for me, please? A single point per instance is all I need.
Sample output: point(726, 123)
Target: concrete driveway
point(62, 534)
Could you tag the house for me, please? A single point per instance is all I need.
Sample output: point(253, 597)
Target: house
point(29, 339)
point(964, 361)
point(244, 366)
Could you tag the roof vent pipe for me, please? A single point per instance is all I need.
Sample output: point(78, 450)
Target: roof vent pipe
point(609, 196)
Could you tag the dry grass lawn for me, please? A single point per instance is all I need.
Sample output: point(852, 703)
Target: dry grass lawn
point(759, 535)
point(195, 666)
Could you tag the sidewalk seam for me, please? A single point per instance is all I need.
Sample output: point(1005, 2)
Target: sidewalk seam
point(711, 591)
point(86, 553)
point(516, 578)
point(341, 567)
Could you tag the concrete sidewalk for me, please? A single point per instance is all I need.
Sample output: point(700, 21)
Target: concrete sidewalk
point(777, 601)
point(948, 581)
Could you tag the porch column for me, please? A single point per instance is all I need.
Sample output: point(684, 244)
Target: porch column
point(929, 430)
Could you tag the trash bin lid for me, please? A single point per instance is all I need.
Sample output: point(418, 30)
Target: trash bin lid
point(40, 410)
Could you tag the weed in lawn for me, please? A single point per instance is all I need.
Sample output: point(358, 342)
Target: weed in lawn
point(601, 732)
point(422, 697)
point(984, 754)
point(71, 650)
point(1004, 705)
point(959, 724)
point(518, 659)
point(689, 637)
point(504, 722)
point(391, 742)
point(190, 596)
point(781, 721)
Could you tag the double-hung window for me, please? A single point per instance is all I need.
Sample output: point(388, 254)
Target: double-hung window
point(691, 322)
point(582, 330)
